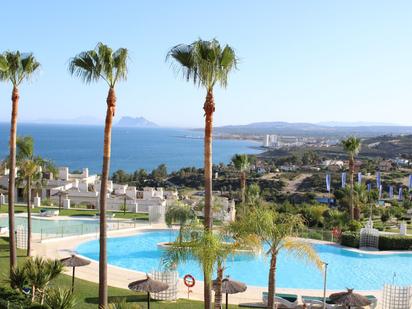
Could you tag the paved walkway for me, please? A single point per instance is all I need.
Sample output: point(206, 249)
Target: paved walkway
point(119, 277)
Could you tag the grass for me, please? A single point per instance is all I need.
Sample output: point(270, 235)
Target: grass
point(87, 292)
point(78, 212)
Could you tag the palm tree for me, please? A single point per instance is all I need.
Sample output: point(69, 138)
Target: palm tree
point(277, 232)
point(30, 173)
point(180, 213)
point(242, 164)
point(15, 68)
point(205, 63)
point(357, 197)
point(208, 249)
point(36, 272)
point(352, 146)
point(91, 66)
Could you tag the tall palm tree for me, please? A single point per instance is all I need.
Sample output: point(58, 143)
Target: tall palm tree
point(30, 174)
point(242, 164)
point(206, 63)
point(352, 146)
point(276, 232)
point(110, 66)
point(15, 68)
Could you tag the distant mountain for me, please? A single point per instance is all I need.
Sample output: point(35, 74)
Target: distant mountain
point(355, 124)
point(310, 129)
point(137, 122)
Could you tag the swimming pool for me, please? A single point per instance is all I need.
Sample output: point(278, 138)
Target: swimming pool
point(50, 226)
point(346, 268)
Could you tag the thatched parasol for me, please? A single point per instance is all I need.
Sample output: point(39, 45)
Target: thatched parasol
point(349, 299)
point(60, 194)
point(230, 287)
point(148, 285)
point(74, 261)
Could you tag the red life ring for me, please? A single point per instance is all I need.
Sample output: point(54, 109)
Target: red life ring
point(189, 281)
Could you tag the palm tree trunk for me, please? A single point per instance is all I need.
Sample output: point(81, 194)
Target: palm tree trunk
point(209, 108)
point(243, 185)
point(218, 292)
point(351, 172)
point(207, 290)
point(28, 215)
point(111, 105)
point(272, 281)
point(12, 176)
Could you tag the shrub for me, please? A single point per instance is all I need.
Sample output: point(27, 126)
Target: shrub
point(395, 242)
point(11, 299)
point(354, 226)
point(350, 239)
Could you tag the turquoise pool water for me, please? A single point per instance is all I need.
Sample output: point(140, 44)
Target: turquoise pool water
point(346, 268)
point(49, 226)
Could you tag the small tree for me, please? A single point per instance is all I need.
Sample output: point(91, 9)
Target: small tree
point(180, 213)
point(242, 164)
point(278, 232)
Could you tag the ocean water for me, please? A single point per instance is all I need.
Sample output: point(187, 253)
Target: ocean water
point(132, 148)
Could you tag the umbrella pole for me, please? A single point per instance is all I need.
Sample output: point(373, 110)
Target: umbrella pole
point(74, 268)
point(227, 299)
point(148, 300)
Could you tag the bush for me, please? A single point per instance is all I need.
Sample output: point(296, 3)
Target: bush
point(10, 299)
point(354, 226)
point(395, 242)
point(350, 239)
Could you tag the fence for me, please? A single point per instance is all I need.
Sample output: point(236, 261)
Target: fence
point(83, 229)
point(396, 297)
point(172, 279)
point(317, 234)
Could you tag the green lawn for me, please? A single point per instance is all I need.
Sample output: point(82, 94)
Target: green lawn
point(78, 212)
point(87, 292)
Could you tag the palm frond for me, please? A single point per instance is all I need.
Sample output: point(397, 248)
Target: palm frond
point(203, 62)
point(302, 250)
point(102, 63)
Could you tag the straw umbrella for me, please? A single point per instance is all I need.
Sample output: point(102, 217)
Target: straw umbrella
point(74, 261)
point(125, 198)
point(148, 285)
point(230, 287)
point(349, 299)
point(60, 194)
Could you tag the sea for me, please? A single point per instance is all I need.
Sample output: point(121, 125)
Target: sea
point(78, 146)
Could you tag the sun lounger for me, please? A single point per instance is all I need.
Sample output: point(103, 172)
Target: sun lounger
point(4, 230)
point(373, 300)
point(317, 302)
point(283, 300)
point(49, 212)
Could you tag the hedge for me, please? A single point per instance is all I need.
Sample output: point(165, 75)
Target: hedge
point(350, 239)
point(395, 242)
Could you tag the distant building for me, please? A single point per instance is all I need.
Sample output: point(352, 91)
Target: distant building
point(81, 188)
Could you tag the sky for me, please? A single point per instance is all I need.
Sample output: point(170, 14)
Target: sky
point(300, 61)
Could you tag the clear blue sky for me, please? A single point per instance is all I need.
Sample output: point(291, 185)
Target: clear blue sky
point(300, 60)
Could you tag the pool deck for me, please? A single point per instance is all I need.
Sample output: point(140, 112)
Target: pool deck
point(120, 277)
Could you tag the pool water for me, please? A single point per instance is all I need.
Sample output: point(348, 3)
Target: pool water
point(346, 268)
point(49, 226)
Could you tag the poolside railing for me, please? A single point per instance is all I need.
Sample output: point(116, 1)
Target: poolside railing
point(317, 234)
point(84, 229)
